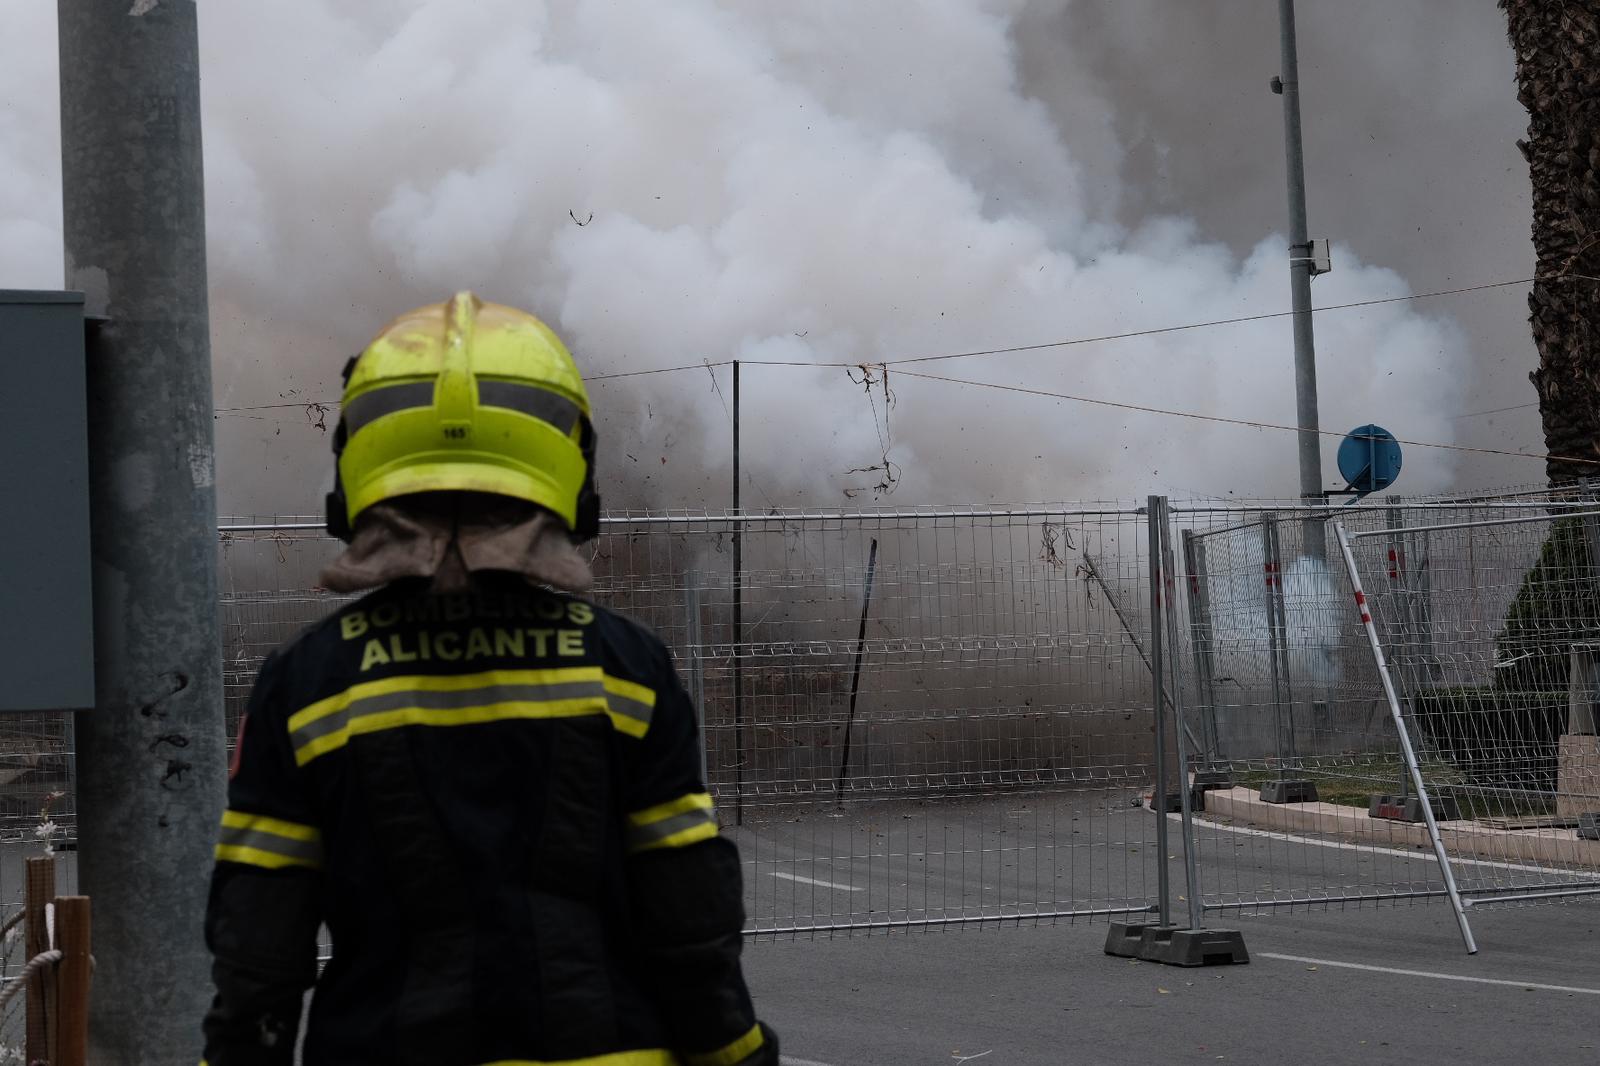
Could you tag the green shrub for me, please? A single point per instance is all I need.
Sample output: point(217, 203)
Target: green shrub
point(1492, 735)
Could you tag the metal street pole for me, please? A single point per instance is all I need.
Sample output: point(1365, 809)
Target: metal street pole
point(151, 753)
point(738, 618)
point(1287, 84)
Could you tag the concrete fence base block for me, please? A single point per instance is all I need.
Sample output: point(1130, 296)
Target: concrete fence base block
point(1409, 808)
point(1289, 792)
point(1589, 826)
point(1197, 947)
point(1207, 779)
point(1445, 809)
point(1154, 941)
point(1205, 948)
point(1123, 939)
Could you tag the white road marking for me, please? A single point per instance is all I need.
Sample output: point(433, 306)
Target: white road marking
point(814, 881)
point(1429, 973)
point(785, 1060)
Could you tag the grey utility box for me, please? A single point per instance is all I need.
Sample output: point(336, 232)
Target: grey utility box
point(46, 610)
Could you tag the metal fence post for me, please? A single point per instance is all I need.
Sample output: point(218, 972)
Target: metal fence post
point(738, 615)
point(1284, 789)
point(1185, 790)
point(1406, 750)
point(1158, 796)
point(697, 676)
point(1280, 603)
point(1424, 572)
point(1204, 644)
point(1273, 580)
point(855, 676)
point(1399, 576)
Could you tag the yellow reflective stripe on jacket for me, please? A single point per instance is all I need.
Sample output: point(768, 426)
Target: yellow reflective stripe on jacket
point(677, 823)
point(256, 840)
point(741, 1048)
point(645, 1057)
point(632, 701)
point(468, 699)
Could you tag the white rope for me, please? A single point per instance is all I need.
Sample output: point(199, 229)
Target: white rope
point(35, 964)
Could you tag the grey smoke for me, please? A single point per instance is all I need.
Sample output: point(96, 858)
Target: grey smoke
point(846, 182)
point(1411, 122)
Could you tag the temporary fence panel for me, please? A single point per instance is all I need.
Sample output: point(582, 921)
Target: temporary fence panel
point(268, 581)
point(925, 718)
point(931, 718)
point(1280, 699)
point(1493, 659)
point(1285, 696)
point(943, 718)
point(36, 799)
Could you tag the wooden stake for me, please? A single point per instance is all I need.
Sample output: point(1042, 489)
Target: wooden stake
point(40, 890)
point(73, 933)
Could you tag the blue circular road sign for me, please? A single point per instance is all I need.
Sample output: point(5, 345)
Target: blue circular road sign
point(1369, 459)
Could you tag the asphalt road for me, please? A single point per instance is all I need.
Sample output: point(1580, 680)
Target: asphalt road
point(1327, 983)
point(1050, 995)
point(958, 860)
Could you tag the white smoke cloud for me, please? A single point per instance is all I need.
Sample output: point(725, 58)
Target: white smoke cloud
point(676, 183)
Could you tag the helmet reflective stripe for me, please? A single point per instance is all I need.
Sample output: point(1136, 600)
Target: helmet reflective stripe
point(533, 401)
point(530, 400)
point(373, 405)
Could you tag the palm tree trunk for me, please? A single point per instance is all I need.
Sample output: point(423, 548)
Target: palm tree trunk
point(1558, 80)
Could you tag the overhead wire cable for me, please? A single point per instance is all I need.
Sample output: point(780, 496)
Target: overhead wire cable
point(1493, 411)
point(1248, 423)
point(1015, 349)
point(1158, 330)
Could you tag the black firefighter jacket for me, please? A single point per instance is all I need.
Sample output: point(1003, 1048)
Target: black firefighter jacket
point(494, 803)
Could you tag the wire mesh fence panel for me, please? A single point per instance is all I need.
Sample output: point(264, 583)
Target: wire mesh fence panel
point(928, 718)
point(1490, 626)
point(933, 718)
point(269, 591)
point(36, 797)
point(921, 718)
point(1283, 684)
point(1285, 724)
point(1306, 796)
